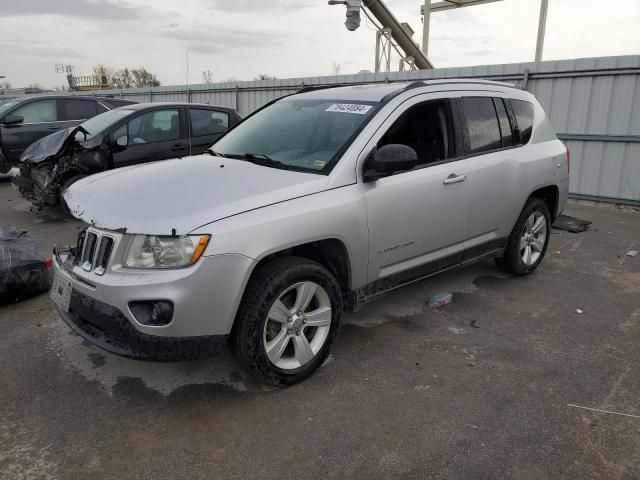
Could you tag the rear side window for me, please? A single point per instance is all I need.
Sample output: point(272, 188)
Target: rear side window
point(78, 109)
point(208, 122)
point(156, 126)
point(482, 124)
point(524, 118)
point(40, 111)
point(505, 126)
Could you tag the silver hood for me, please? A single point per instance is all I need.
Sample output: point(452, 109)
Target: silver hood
point(181, 195)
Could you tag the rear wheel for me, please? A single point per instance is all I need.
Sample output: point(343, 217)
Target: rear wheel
point(287, 321)
point(529, 239)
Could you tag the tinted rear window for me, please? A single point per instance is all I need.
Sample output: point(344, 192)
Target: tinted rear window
point(505, 126)
point(482, 124)
point(524, 118)
point(78, 109)
point(208, 122)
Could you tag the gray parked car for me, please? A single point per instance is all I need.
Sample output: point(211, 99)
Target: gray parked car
point(314, 205)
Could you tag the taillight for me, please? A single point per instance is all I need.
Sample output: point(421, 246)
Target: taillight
point(568, 160)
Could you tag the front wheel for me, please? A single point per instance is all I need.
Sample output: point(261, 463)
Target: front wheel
point(287, 320)
point(529, 239)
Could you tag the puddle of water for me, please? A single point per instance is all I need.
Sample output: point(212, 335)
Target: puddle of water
point(107, 369)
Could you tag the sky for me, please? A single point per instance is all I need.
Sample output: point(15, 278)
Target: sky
point(286, 38)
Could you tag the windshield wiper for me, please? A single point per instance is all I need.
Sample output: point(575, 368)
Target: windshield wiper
point(216, 154)
point(263, 160)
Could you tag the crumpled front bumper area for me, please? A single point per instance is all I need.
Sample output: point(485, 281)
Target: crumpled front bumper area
point(35, 185)
point(106, 327)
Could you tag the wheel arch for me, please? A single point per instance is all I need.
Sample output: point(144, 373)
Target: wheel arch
point(550, 195)
point(332, 253)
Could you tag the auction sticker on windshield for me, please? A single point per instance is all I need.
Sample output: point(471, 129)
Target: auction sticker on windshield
point(349, 108)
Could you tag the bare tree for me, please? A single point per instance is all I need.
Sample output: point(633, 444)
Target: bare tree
point(265, 76)
point(139, 77)
point(335, 68)
point(122, 78)
point(144, 78)
point(207, 76)
point(5, 85)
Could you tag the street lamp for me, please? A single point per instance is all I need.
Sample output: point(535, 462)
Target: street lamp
point(429, 8)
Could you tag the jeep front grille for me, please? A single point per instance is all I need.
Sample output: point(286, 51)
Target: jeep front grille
point(96, 250)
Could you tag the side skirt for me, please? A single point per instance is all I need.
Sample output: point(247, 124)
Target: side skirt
point(373, 291)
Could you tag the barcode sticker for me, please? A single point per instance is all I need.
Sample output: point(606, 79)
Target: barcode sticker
point(349, 108)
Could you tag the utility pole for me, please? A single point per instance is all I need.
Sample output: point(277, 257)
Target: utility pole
point(426, 21)
point(542, 26)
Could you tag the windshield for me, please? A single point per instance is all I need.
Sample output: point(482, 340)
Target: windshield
point(299, 134)
point(5, 106)
point(100, 123)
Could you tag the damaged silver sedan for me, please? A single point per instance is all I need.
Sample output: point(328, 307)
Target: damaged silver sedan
point(125, 136)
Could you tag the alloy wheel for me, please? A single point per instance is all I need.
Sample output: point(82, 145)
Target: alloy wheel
point(297, 325)
point(533, 239)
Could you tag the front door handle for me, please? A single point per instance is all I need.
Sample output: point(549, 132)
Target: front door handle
point(53, 127)
point(178, 147)
point(453, 178)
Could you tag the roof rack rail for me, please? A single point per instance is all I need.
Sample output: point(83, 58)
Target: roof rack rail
point(313, 88)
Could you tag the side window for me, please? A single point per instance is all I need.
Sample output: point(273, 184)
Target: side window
point(73, 109)
point(426, 128)
point(208, 122)
point(482, 124)
point(38, 112)
point(156, 126)
point(505, 126)
point(121, 131)
point(524, 117)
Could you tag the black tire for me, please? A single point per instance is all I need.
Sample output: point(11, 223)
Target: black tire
point(512, 261)
point(63, 205)
point(265, 286)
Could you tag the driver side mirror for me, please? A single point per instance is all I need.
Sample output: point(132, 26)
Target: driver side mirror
point(12, 120)
point(389, 159)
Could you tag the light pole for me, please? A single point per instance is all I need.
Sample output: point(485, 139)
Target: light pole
point(542, 26)
point(428, 8)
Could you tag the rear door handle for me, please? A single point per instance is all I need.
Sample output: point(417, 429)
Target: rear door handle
point(179, 147)
point(53, 127)
point(453, 178)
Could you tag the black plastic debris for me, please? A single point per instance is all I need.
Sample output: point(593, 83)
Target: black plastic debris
point(571, 224)
point(24, 273)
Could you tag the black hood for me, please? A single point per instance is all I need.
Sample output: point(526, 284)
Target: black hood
point(53, 145)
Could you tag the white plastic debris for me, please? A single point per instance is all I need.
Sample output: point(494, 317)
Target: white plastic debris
point(579, 311)
point(632, 253)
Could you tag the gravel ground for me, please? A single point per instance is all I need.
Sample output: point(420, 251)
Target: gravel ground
point(408, 392)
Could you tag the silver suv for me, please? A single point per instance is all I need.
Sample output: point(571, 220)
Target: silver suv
point(314, 205)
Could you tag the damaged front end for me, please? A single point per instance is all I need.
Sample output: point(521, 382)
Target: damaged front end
point(53, 163)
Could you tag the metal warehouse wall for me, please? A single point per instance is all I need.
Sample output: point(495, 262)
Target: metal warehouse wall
point(594, 104)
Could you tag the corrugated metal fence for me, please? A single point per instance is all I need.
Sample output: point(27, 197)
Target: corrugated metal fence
point(594, 104)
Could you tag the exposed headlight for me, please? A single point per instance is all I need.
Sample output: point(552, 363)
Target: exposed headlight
point(152, 251)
